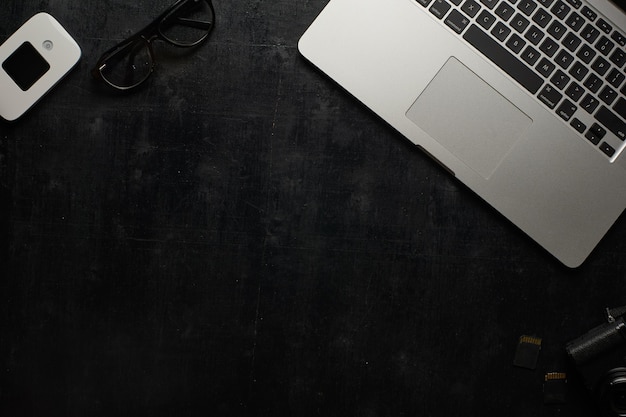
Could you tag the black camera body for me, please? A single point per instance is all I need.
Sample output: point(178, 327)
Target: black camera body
point(600, 357)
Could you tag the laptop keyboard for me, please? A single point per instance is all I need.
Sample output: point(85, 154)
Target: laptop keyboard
point(561, 51)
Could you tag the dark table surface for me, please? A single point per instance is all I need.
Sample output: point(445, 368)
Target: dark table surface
point(242, 238)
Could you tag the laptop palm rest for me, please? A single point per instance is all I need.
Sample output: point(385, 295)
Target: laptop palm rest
point(478, 125)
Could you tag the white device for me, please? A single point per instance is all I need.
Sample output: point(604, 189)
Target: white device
point(32, 61)
point(524, 101)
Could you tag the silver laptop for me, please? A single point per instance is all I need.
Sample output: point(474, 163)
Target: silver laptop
point(524, 101)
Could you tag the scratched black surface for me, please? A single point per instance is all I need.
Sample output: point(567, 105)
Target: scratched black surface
point(242, 238)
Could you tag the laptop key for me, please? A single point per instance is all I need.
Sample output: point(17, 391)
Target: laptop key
point(590, 34)
point(519, 23)
point(505, 11)
point(560, 80)
point(615, 78)
point(457, 21)
point(566, 110)
point(597, 130)
point(589, 14)
point(574, 91)
point(549, 47)
point(604, 26)
point(611, 122)
point(589, 103)
point(607, 149)
point(534, 35)
point(619, 38)
point(489, 3)
point(575, 21)
point(593, 83)
point(608, 95)
point(578, 125)
point(530, 55)
point(485, 19)
point(571, 42)
point(508, 62)
point(620, 107)
point(595, 133)
point(546, 3)
point(542, 18)
point(515, 43)
point(600, 65)
point(550, 96)
point(470, 7)
point(592, 137)
point(578, 71)
point(604, 45)
point(545, 67)
point(564, 59)
point(440, 8)
point(575, 3)
point(527, 7)
point(586, 54)
point(561, 10)
point(557, 30)
point(618, 58)
point(500, 31)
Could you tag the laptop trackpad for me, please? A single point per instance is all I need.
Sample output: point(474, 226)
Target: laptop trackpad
point(468, 117)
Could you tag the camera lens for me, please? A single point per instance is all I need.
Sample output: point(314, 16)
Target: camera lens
point(613, 392)
point(48, 45)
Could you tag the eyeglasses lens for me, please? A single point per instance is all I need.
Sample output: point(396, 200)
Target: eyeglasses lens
point(129, 66)
point(189, 24)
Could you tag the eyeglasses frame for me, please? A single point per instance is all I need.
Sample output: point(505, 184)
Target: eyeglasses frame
point(147, 35)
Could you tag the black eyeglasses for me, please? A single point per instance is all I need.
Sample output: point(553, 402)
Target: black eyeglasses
point(186, 23)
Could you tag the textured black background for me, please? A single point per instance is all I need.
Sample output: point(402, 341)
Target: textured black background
point(242, 238)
